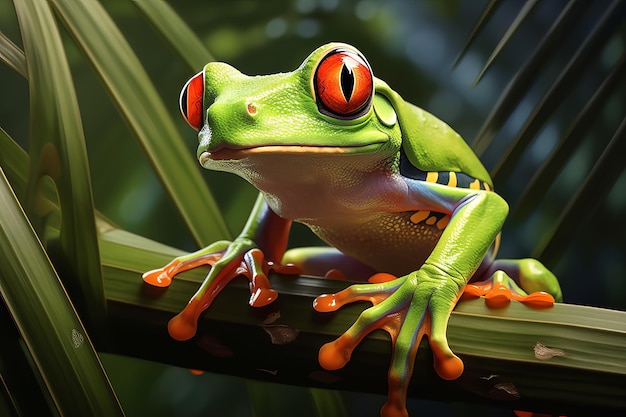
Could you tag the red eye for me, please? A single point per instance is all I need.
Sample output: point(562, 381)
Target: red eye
point(191, 101)
point(343, 84)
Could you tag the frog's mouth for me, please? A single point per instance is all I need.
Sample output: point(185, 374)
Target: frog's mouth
point(231, 154)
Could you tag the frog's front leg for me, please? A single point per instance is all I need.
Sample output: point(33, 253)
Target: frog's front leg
point(257, 250)
point(420, 302)
point(407, 308)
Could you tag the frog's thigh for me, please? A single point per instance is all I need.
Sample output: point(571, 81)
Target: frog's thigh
point(317, 261)
point(530, 274)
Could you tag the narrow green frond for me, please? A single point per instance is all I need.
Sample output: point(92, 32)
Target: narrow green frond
point(176, 31)
point(57, 150)
point(588, 197)
point(14, 161)
point(560, 89)
point(140, 104)
point(11, 55)
point(489, 9)
point(523, 14)
point(528, 73)
point(52, 332)
point(553, 164)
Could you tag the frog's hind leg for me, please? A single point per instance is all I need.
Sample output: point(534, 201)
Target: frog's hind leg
point(525, 280)
point(327, 262)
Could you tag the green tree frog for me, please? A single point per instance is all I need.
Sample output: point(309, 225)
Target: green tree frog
point(397, 194)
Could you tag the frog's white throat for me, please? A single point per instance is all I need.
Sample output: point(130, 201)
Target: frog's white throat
point(300, 182)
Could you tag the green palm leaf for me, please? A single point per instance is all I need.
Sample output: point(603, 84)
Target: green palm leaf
point(53, 334)
point(523, 14)
point(589, 196)
point(565, 83)
point(528, 73)
point(12, 55)
point(569, 142)
point(141, 106)
point(57, 150)
point(176, 31)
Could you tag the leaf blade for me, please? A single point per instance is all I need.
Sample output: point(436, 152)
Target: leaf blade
point(545, 176)
point(51, 329)
point(598, 183)
point(12, 55)
point(568, 77)
point(57, 150)
point(518, 86)
point(523, 14)
point(139, 103)
point(176, 31)
point(487, 12)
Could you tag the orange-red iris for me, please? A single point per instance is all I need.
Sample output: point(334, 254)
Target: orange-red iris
point(191, 101)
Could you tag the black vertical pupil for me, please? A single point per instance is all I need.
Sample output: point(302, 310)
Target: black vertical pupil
point(347, 82)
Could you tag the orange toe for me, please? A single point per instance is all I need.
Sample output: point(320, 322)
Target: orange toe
point(472, 291)
point(334, 355)
point(325, 303)
point(540, 299)
point(381, 277)
point(498, 297)
point(157, 278)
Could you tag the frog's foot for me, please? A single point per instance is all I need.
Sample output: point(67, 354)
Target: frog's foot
point(407, 308)
point(162, 277)
point(250, 264)
point(500, 289)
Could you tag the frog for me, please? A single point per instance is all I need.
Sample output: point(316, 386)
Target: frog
point(408, 212)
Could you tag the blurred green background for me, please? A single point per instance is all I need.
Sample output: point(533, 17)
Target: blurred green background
point(412, 46)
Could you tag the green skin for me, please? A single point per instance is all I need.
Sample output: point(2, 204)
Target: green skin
point(342, 179)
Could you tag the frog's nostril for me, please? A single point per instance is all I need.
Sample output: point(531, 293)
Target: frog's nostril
point(251, 108)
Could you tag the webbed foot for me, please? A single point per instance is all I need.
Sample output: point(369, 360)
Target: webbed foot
point(407, 308)
point(227, 260)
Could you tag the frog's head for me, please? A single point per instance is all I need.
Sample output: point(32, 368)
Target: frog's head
point(331, 106)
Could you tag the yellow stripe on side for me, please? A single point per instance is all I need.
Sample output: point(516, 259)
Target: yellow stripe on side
point(432, 176)
point(452, 180)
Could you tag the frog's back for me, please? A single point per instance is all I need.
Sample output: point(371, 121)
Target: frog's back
point(431, 145)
